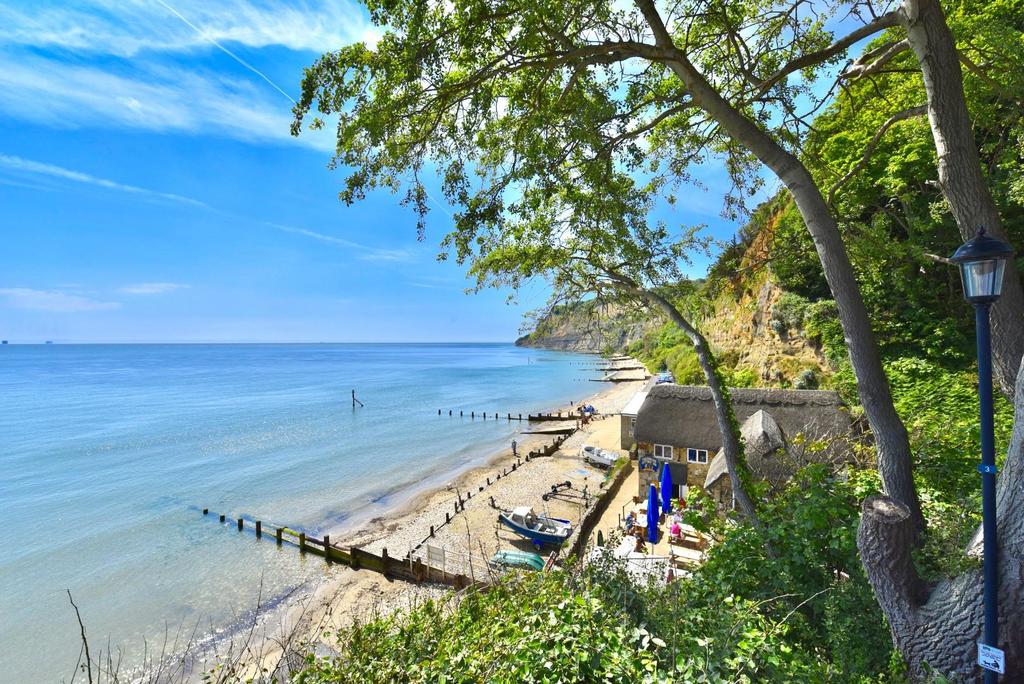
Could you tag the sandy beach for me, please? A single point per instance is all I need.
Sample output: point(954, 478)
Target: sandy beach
point(343, 595)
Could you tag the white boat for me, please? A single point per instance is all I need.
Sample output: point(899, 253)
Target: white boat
point(598, 457)
point(538, 529)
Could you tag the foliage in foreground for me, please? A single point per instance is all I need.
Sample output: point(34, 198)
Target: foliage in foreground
point(801, 612)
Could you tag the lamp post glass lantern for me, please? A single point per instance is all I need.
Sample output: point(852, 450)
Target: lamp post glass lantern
point(982, 262)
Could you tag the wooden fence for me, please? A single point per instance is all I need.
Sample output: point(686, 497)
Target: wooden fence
point(405, 568)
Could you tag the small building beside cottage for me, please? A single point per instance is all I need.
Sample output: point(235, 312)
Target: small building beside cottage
point(627, 418)
point(677, 424)
point(767, 456)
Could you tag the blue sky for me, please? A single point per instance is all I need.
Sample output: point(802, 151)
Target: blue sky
point(150, 190)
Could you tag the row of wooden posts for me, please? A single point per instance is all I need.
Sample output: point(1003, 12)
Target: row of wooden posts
point(569, 415)
point(358, 559)
point(460, 503)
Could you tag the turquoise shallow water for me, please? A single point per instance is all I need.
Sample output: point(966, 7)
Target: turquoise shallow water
point(107, 452)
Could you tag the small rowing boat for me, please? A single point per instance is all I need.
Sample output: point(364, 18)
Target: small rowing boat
point(538, 529)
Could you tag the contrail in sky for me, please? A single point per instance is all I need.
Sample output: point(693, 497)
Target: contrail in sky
point(229, 53)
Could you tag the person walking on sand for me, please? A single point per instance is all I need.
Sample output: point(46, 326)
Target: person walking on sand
point(514, 445)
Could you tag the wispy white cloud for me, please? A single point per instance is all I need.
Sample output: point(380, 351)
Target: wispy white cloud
point(362, 252)
point(152, 288)
point(51, 300)
point(36, 168)
point(376, 254)
point(127, 28)
point(146, 97)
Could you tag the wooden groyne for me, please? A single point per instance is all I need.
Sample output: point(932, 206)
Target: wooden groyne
point(404, 568)
point(484, 415)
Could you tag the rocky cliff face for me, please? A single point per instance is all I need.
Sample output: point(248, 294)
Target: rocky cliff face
point(741, 325)
point(581, 329)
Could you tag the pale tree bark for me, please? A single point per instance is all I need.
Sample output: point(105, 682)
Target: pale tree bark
point(938, 628)
point(960, 173)
point(892, 443)
point(732, 447)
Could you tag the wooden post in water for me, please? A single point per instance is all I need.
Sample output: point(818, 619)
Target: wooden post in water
point(302, 542)
point(239, 523)
point(438, 411)
point(280, 532)
point(472, 414)
point(259, 528)
point(460, 413)
point(327, 548)
point(205, 511)
point(222, 517)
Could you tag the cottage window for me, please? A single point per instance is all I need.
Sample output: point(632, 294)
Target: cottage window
point(697, 455)
point(663, 451)
point(632, 427)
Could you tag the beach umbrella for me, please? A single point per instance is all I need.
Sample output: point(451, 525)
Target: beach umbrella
point(666, 489)
point(652, 515)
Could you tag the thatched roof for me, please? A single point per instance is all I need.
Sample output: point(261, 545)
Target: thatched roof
point(762, 439)
point(684, 415)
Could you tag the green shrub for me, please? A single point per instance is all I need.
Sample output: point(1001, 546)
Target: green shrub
point(806, 379)
point(533, 627)
point(789, 311)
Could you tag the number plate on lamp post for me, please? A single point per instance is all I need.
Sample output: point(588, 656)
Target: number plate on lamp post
point(991, 658)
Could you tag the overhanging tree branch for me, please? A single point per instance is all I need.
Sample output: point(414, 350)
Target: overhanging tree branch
point(869, 149)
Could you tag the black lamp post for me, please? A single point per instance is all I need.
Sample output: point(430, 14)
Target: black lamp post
point(982, 261)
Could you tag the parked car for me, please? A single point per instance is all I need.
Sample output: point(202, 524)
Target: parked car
point(599, 457)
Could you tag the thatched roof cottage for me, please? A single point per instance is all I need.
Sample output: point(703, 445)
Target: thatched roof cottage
point(677, 423)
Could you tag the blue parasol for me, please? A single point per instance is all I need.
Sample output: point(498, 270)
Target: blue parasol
point(666, 489)
point(652, 515)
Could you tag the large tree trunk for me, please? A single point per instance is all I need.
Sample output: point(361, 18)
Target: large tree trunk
point(893, 445)
point(960, 175)
point(939, 629)
point(732, 447)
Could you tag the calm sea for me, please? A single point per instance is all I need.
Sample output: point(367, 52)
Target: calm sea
point(107, 453)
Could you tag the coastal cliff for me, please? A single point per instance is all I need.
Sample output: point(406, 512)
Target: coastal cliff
point(588, 329)
point(757, 329)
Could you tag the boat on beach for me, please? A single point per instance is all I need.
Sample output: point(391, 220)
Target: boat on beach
point(599, 457)
point(517, 559)
point(538, 529)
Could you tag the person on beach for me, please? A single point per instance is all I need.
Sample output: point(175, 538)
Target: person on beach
point(514, 454)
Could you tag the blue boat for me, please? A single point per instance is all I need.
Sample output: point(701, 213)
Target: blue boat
point(538, 529)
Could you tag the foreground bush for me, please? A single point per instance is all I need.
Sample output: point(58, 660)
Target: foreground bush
point(784, 602)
